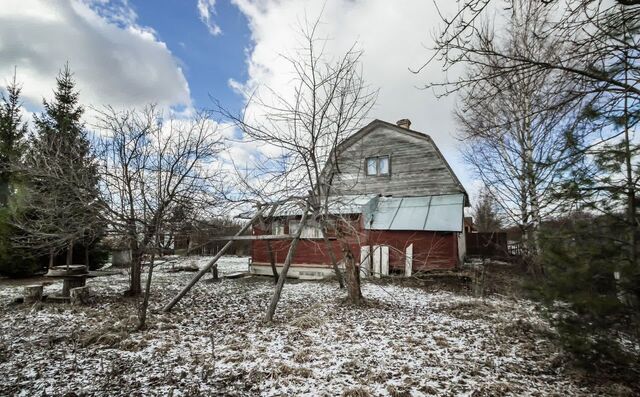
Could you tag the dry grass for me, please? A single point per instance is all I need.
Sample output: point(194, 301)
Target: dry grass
point(358, 391)
point(398, 391)
point(307, 321)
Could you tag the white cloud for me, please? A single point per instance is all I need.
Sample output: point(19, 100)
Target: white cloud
point(207, 8)
point(394, 36)
point(114, 60)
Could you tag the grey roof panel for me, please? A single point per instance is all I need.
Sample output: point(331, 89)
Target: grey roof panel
point(429, 213)
point(342, 205)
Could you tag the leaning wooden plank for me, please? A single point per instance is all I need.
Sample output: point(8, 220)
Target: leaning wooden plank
point(212, 262)
point(285, 268)
point(251, 237)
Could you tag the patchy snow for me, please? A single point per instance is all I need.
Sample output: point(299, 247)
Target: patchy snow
point(404, 341)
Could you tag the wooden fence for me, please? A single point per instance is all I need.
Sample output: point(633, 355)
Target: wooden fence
point(487, 245)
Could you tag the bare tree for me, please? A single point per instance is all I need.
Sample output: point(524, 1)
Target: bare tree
point(150, 168)
point(328, 102)
point(517, 145)
point(596, 69)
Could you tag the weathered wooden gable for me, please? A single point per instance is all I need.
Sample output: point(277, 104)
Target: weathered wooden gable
point(417, 168)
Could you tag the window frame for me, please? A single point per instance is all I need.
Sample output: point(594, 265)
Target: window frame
point(377, 160)
point(277, 226)
point(311, 230)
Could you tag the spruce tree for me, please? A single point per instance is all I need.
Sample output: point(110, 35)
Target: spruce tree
point(12, 134)
point(14, 260)
point(63, 176)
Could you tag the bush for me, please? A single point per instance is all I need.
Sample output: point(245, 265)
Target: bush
point(580, 288)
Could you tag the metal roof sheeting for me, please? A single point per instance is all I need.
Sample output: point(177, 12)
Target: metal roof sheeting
point(442, 213)
point(340, 205)
point(430, 213)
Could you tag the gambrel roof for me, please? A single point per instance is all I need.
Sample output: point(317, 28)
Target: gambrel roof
point(454, 183)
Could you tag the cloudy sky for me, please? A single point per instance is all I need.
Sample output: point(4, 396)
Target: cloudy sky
point(182, 53)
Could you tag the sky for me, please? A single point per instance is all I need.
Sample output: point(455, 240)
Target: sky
point(183, 54)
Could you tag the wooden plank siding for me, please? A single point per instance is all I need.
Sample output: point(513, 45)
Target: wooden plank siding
point(431, 250)
point(417, 168)
point(309, 251)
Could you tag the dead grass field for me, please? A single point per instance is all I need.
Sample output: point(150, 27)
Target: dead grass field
point(407, 340)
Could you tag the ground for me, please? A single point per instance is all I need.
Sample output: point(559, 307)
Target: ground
point(406, 340)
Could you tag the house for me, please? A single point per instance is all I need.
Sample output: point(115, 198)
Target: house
point(397, 197)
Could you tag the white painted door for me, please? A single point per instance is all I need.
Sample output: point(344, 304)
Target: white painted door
point(408, 264)
point(365, 261)
point(380, 260)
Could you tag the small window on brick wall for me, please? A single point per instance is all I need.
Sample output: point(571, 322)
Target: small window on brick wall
point(377, 166)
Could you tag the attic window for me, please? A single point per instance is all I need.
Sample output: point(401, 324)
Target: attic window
point(377, 166)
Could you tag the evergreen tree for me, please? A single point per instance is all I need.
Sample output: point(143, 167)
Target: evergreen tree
point(14, 261)
point(12, 134)
point(591, 257)
point(485, 213)
point(62, 177)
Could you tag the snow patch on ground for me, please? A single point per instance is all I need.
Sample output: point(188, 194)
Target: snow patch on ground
point(404, 341)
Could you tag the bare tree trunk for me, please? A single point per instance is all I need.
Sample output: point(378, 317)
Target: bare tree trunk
point(51, 257)
point(332, 256)
point(142, 317)
point(135, 282)
point(354, 293)
point(631, 193)
point(285, 268)
point(86, 255)
point(70, 254)
point(272, 260)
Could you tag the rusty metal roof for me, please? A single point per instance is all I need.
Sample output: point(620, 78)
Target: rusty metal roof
point(431, 213)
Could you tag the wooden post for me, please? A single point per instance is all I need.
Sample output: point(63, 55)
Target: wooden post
point(408, 264)
point(285, 268)
point(208, 266)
